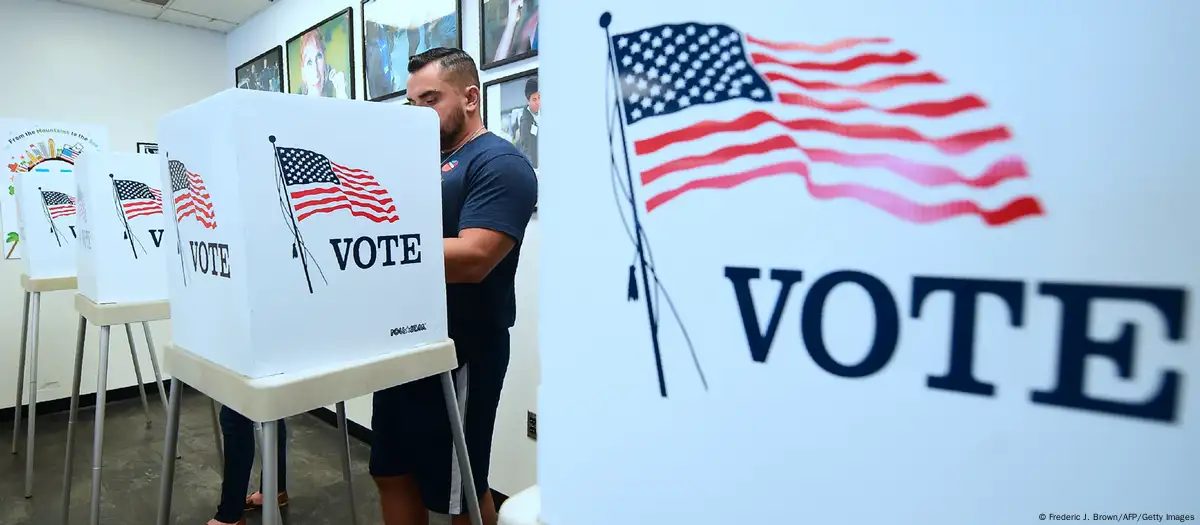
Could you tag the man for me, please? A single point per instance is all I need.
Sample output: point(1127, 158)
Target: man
point(527, 137)
point(488, 194)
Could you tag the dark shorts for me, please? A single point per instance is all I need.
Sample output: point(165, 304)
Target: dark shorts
point(411, 429)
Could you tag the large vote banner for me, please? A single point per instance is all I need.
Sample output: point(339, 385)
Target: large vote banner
point(924, 262)
point(38, 148)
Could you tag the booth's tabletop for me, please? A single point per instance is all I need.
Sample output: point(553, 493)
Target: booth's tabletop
point(47, 284)
point(279, 396)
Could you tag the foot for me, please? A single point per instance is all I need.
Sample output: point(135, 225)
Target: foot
point(255, 501)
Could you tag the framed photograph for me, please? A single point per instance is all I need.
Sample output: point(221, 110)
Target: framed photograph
point(394, 30)
point(511, 108)
point(263, 72)
point(147, 147)
point(508, 32)
point(320, 60)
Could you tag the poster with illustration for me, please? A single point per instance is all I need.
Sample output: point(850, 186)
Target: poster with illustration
point(38, 148)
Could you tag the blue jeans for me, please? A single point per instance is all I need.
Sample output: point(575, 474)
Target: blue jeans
point(239, 461)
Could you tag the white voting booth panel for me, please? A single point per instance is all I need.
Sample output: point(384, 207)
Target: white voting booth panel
point(307, 231)
point(906, 265)
point(120, 254)
point(46, 215)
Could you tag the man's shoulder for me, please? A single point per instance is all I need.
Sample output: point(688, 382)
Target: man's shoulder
point(494, 149)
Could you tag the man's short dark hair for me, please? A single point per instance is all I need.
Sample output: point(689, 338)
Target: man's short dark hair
point(531, 87)
point(457, 65)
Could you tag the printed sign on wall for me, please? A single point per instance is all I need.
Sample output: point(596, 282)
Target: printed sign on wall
point(39, 148)
point(870, 262)
point(121, 255)
point(279, 223)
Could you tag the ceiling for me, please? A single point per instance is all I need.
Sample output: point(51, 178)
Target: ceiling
point(217, 15)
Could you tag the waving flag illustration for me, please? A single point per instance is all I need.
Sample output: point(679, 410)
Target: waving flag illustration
point(190, 195)
point(56, 204)
point(310, 184)
point(135, 199)
point(710, 107)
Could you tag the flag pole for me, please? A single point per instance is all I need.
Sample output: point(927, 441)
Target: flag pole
point(46, 210)
point(282, 188)
point(605, 20)
point(121, 210)
point(175, 220)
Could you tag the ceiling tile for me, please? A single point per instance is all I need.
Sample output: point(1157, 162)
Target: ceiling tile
point(129, 7)
point(236, 11)
point(221, 26)
point(187, 19)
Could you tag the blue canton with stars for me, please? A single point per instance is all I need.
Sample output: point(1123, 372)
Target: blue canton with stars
point(665, 69)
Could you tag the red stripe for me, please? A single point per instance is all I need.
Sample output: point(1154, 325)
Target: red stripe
point(873, 86)
point(891, 203)
point(836, 45)
point(931, 175)
point(952, 145)
point(943, 108)
point(849, 64)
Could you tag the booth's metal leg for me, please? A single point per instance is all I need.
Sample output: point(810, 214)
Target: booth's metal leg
point(270, 472)
point(34, 322)
point(460, 447)
point(72, 415)
point(170, 447)
point(162, 391)
point(137, 373)
point(346, 471)
point(216, 424)
point(98, 439)
point(21, 375)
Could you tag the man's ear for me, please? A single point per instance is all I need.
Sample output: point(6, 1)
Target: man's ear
point(474, 97)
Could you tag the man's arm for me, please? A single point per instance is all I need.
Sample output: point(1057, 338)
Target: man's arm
point(500, 201)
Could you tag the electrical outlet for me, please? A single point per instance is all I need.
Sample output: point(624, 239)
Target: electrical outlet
point(531, 425)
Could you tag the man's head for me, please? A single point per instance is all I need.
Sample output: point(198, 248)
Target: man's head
point(533, 95)
point(446, 80)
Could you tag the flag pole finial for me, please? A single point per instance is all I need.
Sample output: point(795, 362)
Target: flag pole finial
point(271, 138)
point(111, 176)
point(605, 19)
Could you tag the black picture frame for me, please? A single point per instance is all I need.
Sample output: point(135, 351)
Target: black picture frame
point(533, 72)
point(484, 64)
point(147, 147)
point(352, 74)
point(277, 51)
point(458, 4)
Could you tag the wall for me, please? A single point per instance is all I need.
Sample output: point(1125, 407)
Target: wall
point(514, 456)
point(107, 69)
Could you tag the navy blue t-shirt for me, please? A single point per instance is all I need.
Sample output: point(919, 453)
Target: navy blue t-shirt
point(487, 184)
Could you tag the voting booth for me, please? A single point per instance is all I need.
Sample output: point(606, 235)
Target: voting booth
point(869, 262)
point(303, 243)
point(308, 264)
point(47, 210)
point(120, 255)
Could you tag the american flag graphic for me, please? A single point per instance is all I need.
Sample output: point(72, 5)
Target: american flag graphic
point(191, 197)
point(319, 185)
point(709, 107)
point(137, 198)
point(71, 153)
point(59, 204)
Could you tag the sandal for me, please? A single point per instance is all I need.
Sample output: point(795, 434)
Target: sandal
point(251, 506)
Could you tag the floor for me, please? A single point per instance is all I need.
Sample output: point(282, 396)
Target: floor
point(132, 468)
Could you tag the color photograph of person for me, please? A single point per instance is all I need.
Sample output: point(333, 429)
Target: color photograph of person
point(394, 30)
point(509, 32)
point(262, 73)
point(321, 59)
point(512, 108)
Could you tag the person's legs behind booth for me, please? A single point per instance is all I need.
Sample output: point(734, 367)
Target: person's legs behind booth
point(412, 449)
point(238, 432)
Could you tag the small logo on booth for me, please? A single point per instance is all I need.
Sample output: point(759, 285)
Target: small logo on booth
point(449, 166)
point(311, 184)
point(136, 199)
point(57, 205)
point(709, 108)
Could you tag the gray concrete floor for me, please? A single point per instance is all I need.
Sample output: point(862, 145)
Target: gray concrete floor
point(132, 467)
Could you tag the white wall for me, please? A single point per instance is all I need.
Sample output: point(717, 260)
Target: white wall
point(514, 456)
point(87, 66)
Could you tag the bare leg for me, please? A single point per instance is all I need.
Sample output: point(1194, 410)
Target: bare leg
point(487, 507)
point(401, 501)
